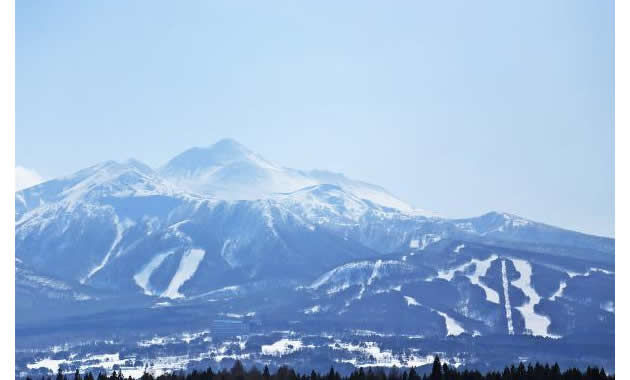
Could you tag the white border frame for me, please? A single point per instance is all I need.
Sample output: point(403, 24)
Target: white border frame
point(7, 176)
point(7, 189)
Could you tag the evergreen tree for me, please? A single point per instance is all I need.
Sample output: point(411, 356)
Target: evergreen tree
point(436, 372)
point(413, 375)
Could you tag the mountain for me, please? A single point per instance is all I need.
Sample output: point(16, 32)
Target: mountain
point(221, 230)
point(228, 170)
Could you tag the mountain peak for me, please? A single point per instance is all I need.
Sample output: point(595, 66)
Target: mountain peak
point(228, 143)
point(223, 152)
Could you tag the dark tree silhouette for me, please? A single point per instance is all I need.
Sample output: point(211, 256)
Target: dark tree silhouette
point(439, 371)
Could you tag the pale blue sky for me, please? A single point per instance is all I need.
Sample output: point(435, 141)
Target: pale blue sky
point(459, 107)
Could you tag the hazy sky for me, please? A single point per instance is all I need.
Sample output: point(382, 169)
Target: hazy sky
point(459, 107)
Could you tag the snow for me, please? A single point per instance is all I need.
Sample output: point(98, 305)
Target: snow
point(369, 354)
point(362, 273)
point(283, 347)
point(161, 304)
point(313, 310)
point(239, 316)
point(225, 291)
point(106, 361)
point(33, 279)
point(535, 324)
point(558, 293)
point(411, 301)
point(187, 268)
point(25, 178)
point(452, 327)
point(510, 221)
point(362, 332)
point(120, 228)
point(115, 179)
point(51, 364)
point(375, 272)
point(174, 229)
point(228, 170)
point(481, 268)
point(506, 295)
point(142, 278)
point(389, 289)
point(323, 203)
point(589, 272)
point(227, 252)
point(427, 239)
point(608, 306)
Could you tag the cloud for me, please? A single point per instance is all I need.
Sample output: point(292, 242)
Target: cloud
point(26, 178)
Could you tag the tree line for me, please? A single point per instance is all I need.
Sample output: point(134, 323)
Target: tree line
point(439, 371)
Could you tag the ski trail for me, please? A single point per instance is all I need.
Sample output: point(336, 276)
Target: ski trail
point(142, 278)
point(453, 328)
point(558, 292)
point(481, 268)
point(119, 233)
point(506, 295)
point(187, 267)
point(536, 324)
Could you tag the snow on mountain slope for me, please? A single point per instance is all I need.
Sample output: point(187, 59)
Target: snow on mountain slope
point(362, 273)
point(48, 286)
point(143, 277)
point(508, 227)
point(481, 268)
point(324, 204)
point(506, 297)
point(108, 179)
point(535, 323)
point(228, 170)
point(112, 223)
point(367, 191)
point(187, 267)
point(453, 328)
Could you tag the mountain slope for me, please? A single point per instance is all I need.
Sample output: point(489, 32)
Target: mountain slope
point(228, 170)
point(123, 227)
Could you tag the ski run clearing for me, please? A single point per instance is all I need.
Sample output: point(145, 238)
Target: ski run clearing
point(481, 268)
point(187, 268)
point(506, 295)
point(535, 323)
point(452, 327)
point(142, 278)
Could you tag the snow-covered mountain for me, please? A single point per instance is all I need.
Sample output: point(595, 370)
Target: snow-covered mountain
point(228, 170)
point(220, 227)
point(227, 207)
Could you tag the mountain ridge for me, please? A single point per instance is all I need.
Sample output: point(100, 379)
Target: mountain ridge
point(334, 255)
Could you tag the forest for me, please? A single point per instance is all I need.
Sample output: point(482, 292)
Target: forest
point(439, 371)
